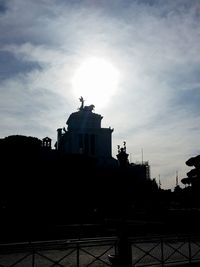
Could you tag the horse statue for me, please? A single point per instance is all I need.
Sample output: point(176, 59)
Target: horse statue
point(89, 108)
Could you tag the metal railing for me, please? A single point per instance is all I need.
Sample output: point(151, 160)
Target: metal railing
point(163, 251)
point(75, 253)
point(159, 251)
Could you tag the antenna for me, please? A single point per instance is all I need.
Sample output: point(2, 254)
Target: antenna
point(142, 155)
point(159, 181)
point(176, 178)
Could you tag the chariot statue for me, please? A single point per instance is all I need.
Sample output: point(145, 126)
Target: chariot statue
point(85, 108)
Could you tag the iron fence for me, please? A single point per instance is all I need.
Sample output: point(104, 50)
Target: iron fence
point(159, 251)
point(163, 251)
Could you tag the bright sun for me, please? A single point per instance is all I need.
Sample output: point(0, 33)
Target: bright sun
point(96, 80)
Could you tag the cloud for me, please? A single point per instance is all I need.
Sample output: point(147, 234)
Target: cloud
point(154, 45)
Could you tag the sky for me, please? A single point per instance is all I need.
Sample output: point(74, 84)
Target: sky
point(141, 59)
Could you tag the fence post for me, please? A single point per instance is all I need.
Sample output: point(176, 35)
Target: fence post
point(162, 252)
point(33, 259)
point(77, 256)
point(125, 252)
point(123, 249)
point(124, 246)
point(190, 252)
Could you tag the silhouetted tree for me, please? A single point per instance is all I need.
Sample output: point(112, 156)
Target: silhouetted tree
point(193, 179)
point(186, 181)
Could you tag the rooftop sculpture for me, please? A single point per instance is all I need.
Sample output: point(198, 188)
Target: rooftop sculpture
point(85, 108)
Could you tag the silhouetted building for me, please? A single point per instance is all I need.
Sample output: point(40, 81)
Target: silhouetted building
point(122, 156)
point(142, 170)
point(46, 142)
point(139, 170)
point(84, 135)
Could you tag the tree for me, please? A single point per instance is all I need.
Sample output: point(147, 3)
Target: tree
point(186, 181)
point(194, 174)
point(193, 178)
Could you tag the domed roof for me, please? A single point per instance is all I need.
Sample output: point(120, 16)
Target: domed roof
point(84, 119)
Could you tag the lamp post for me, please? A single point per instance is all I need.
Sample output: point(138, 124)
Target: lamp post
point(123, 258)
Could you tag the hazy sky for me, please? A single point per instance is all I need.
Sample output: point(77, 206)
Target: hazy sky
point(153, 47)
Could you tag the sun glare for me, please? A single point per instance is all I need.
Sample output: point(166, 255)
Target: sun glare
point(96, 80)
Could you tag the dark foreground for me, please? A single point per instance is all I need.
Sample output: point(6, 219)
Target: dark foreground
point(182, 222)
point(145, 251)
